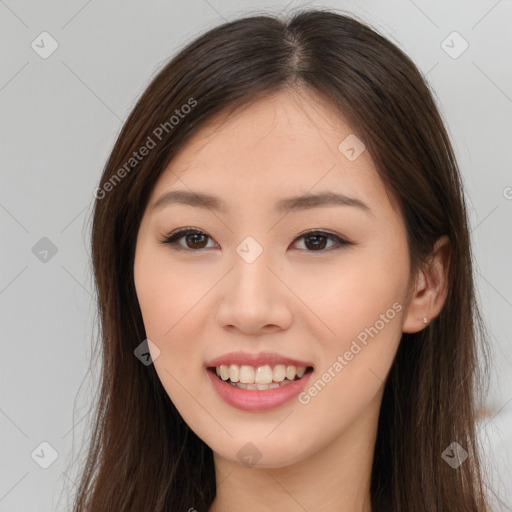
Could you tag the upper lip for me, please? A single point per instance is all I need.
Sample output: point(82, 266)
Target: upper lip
point(260, 359)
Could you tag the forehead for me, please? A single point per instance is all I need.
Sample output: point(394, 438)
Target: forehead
point(280, 145)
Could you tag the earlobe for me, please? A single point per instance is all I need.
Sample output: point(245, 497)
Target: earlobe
point(431, 289)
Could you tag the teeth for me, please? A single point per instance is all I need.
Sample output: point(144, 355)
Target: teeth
point(246, 374)
point(290, 373)
point(224, 375)
point(260, 387)
point(263, 376)
point(234, 373)
point(279, 373)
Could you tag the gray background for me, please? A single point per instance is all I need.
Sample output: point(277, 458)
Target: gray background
point(59, 117)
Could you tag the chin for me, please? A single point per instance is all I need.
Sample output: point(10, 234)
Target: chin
point(263, 453)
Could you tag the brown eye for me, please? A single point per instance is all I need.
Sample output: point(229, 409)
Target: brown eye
point(194, 240)
point(316, 241)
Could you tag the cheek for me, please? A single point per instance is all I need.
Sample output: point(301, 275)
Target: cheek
point(167, 300)
point(365, 316)
point(165, 293)
point(350, 295)
point(172, 303)
point(362, 305)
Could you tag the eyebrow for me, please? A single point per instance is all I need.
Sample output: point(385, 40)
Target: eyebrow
point(298, 203)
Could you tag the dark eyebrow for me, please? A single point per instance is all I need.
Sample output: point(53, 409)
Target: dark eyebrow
point(287, 205)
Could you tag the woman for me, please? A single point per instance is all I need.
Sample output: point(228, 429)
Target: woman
point(285, 285)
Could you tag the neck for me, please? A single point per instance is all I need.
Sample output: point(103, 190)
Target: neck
point(336, 478)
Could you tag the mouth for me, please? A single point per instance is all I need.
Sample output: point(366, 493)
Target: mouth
point(259, 378)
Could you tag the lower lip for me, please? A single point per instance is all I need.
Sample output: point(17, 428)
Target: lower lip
point(256, 400)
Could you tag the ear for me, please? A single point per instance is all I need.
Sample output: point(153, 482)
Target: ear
point(430, 289)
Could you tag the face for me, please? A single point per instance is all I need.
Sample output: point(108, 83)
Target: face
point(302, 300)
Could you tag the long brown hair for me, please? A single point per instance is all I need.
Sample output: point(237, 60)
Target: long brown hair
point(142, 455)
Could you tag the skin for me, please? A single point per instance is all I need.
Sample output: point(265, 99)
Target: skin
point(299, 299)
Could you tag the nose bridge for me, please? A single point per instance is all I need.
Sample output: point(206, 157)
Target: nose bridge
point(252, 296)
point(251, 275)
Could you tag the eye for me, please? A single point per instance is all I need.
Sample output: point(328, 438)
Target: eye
point(195, 239)
point(317, 240)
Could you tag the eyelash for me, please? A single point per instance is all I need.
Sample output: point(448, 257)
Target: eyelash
point(175, 237)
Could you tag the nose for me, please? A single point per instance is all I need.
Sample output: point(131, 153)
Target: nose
point(253, 298)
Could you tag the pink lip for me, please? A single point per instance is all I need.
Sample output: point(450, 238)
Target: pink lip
point(255, 400)
point(240, 358)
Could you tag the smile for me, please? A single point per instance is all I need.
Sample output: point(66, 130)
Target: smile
point(257, 397)
point(259, 378)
